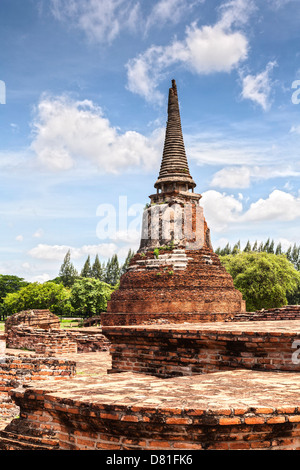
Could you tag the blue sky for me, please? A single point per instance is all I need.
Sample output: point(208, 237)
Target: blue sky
point(83, 118)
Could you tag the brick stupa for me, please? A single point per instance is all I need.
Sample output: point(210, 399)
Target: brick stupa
point(175, 275)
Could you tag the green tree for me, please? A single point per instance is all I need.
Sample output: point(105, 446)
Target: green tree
point(8, 285)
point(264, 279)
point(247, 247)
point(87, 269)
point(124, 267)
point(112, 271)
point(67, 272)
point(49, 295)
point(89, 296)
point(97, 269)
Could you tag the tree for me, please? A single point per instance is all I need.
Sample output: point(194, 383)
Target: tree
point(87, 269)
point(127, 261)
point(248, 246)
point(112, 271)
point(8, 285)
point(49, 295)
point(67, 272)
point(89, 296)
point(264, 279)
point(97, 269)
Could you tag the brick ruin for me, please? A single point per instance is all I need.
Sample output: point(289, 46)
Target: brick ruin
point(190, 368)
point(33, 318)
point(175, 275)
point(39, 331)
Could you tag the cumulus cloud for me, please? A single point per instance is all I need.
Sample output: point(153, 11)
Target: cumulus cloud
point(243, 176)
point(204, 50)
point(220, 209)
point(278, 206)
point(257, 88)
point(223, 210)
point(67, 131)
point(58, 252)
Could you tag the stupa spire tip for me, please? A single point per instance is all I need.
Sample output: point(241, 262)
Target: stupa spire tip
point(174, 87)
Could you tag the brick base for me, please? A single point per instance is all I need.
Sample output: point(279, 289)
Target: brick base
point(173, 350)
point(238, 410)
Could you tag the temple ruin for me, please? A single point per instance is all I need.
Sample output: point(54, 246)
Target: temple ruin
point(175, 275)
point(188, 368)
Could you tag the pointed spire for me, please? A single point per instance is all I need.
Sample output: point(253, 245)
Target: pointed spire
point(174, 170)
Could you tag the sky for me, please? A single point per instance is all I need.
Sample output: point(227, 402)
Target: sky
point(83, 108)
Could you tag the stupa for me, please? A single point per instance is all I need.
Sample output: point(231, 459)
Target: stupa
point(175, 276)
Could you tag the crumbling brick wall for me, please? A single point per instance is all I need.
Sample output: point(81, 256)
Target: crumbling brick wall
point(34, 318)
point(168, 351)
point(22, 369)
point(56, 341)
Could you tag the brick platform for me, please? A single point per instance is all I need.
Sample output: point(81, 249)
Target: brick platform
point(187, 349)
point(224, 410)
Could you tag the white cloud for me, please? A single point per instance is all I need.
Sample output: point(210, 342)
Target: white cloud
point(58, 252)
point(242, 176)
point(100, 20)
point(168, 11)
point(223, 210)
point(204, 50)
point(258, 87)
point(67, 132)
point(278, 206)
point(220, 209)
point(39, 233)
point(19, 238)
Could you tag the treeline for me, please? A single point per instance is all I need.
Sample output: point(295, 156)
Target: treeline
point(109, 272)
point(292, 253)
point(83, 293)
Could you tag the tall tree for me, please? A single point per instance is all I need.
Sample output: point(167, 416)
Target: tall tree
point(97, 269)
point(67, 272)
point(248, 246)
point(87, 269)
point(126, 262)
point(112, 271)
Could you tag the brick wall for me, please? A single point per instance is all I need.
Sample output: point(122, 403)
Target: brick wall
point(167, 351)
point(2, 345)
point(288, 312)
point(39, 340)
point(56, 342)
point(20, 370)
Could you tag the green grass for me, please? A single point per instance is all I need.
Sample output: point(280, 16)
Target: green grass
point(2, 325)
point(69, 322)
